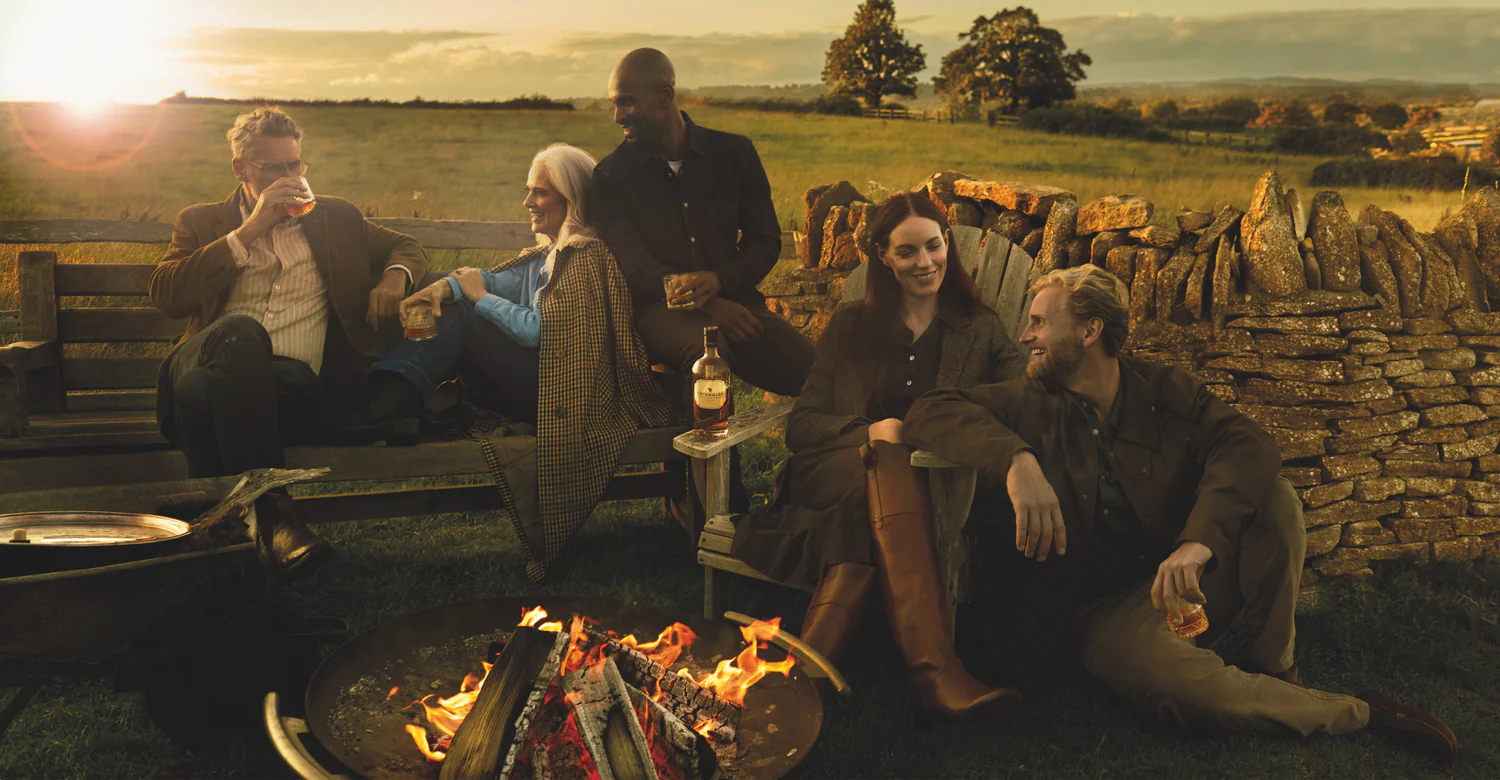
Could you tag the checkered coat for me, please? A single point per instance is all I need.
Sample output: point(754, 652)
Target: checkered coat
point(595, 390)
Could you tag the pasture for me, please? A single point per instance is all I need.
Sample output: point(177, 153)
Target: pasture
point(1425, 634)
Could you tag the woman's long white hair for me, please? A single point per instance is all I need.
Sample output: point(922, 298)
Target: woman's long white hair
point(571, 173)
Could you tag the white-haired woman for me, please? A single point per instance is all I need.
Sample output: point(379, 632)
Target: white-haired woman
point(490, 323)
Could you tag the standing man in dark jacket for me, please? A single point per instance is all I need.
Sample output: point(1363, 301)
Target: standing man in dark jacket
point(1137, 493)
point(284, 319)
point(676, 198)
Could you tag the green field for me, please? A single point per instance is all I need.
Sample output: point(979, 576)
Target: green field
point(1429, 634)
point(467, 164)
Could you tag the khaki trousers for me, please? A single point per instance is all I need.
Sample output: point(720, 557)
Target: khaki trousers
point(1126, 644)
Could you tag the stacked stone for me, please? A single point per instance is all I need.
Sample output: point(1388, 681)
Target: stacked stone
point(1368, 368)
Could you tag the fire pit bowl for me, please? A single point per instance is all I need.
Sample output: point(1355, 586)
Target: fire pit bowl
point(360, 700)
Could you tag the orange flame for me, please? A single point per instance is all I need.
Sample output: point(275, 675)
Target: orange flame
point(668, 645)
point(419, 735)
point(535, 615)
point(735, 676)
point(393, 693)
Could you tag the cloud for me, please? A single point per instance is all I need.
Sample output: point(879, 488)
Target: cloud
point(1428, 44)
point(1445, 44)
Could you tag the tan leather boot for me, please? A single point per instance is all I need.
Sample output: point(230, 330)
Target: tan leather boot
point(915, 600)
point(294, 550)
point(836, 607)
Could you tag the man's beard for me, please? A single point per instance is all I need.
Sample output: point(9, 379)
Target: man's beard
point(1057, 363)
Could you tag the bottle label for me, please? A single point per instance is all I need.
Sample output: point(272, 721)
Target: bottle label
point(710, 394)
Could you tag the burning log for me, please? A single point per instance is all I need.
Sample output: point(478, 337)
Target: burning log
point(490, 726)
point(534, 701)
point(678, 745)
point(607, 721)
point(681, 695)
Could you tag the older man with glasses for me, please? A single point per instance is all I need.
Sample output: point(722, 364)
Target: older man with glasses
point(285, 297)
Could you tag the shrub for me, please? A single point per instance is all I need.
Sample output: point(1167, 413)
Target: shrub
point(1289, 113)
point(1437, 173)
point(1340, 111)
point(1387, 116)
point(1090, 119)
point(1329, 139)
point(1490, 146)
point(1408, 142)
point(1242, 110)
point(1424, 115)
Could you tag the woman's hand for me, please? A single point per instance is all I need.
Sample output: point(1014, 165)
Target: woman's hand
point(432, 295)
point(888, 429)
point(471, 281)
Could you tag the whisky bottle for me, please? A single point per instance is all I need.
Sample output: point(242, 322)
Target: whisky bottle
point(711, 389)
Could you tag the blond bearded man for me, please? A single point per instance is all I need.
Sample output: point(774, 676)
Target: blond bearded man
point(1134, 490)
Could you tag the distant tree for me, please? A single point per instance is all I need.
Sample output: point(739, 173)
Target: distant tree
point(1424, 115)
point(873, 59)
point(1287, 113)
point(1012, 58)
point(1489, 148)
point(1240, 110)
point(1340, 112)
point(1165, 111)
point(1387, 116)
point(1411, 142)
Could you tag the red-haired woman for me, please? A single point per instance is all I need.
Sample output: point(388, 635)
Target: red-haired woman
point(849, 506)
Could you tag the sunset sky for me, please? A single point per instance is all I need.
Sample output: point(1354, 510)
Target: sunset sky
point(139, 51)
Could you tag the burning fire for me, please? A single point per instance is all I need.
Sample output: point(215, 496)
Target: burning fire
point(730, 680)
point(734, 677)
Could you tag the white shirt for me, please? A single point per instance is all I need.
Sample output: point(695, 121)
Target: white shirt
point(282, 289)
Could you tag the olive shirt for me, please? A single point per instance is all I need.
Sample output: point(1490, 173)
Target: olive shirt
point(1191, 467)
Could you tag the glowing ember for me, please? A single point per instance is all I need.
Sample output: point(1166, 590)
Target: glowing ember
point(393, 693)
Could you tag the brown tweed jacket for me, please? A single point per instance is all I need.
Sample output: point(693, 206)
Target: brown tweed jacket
point(195, 277)
point(595, 390)
point(977, 351)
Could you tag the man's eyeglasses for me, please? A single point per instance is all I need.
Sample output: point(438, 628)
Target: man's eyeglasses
point(293, 168)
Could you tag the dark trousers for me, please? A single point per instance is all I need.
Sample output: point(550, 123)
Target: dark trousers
point(235, 404)
point(499, 374)
point(777, 361)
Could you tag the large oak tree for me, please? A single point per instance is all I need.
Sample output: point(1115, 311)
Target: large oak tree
point(1012, 58)
point(873, 59)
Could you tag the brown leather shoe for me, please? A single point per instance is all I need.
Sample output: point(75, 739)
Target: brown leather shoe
point(836, 607)
point(1405, 722)
point(916, 602)
point(292, 548)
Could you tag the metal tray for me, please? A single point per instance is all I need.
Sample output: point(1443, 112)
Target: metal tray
point(87, 529)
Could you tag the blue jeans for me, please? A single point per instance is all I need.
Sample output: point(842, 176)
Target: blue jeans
point(499, 374)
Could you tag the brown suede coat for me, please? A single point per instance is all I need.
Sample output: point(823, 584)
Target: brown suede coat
point(195, 277)
point(1192, 468)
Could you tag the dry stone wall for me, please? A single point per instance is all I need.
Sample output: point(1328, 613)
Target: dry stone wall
point(1367, 348)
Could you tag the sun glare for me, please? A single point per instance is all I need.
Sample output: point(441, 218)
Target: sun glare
point(86, 54)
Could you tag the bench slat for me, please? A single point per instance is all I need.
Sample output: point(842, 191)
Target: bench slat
point(134, 400)
point(109, 373)
point(122, 324)
point(103, 278)
point(733, 565)
point(10, 321)
point(76, 231)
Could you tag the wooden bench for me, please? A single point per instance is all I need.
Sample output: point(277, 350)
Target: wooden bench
point(74, 415)
point(1000, 269)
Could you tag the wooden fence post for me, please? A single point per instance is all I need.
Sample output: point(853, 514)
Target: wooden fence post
point(42, 387)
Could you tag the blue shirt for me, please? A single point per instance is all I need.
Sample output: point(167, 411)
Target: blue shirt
point(512, 299)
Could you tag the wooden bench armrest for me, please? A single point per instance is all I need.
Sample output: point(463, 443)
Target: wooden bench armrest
point(741, 427)
point(931, 460)
point(26, 355)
